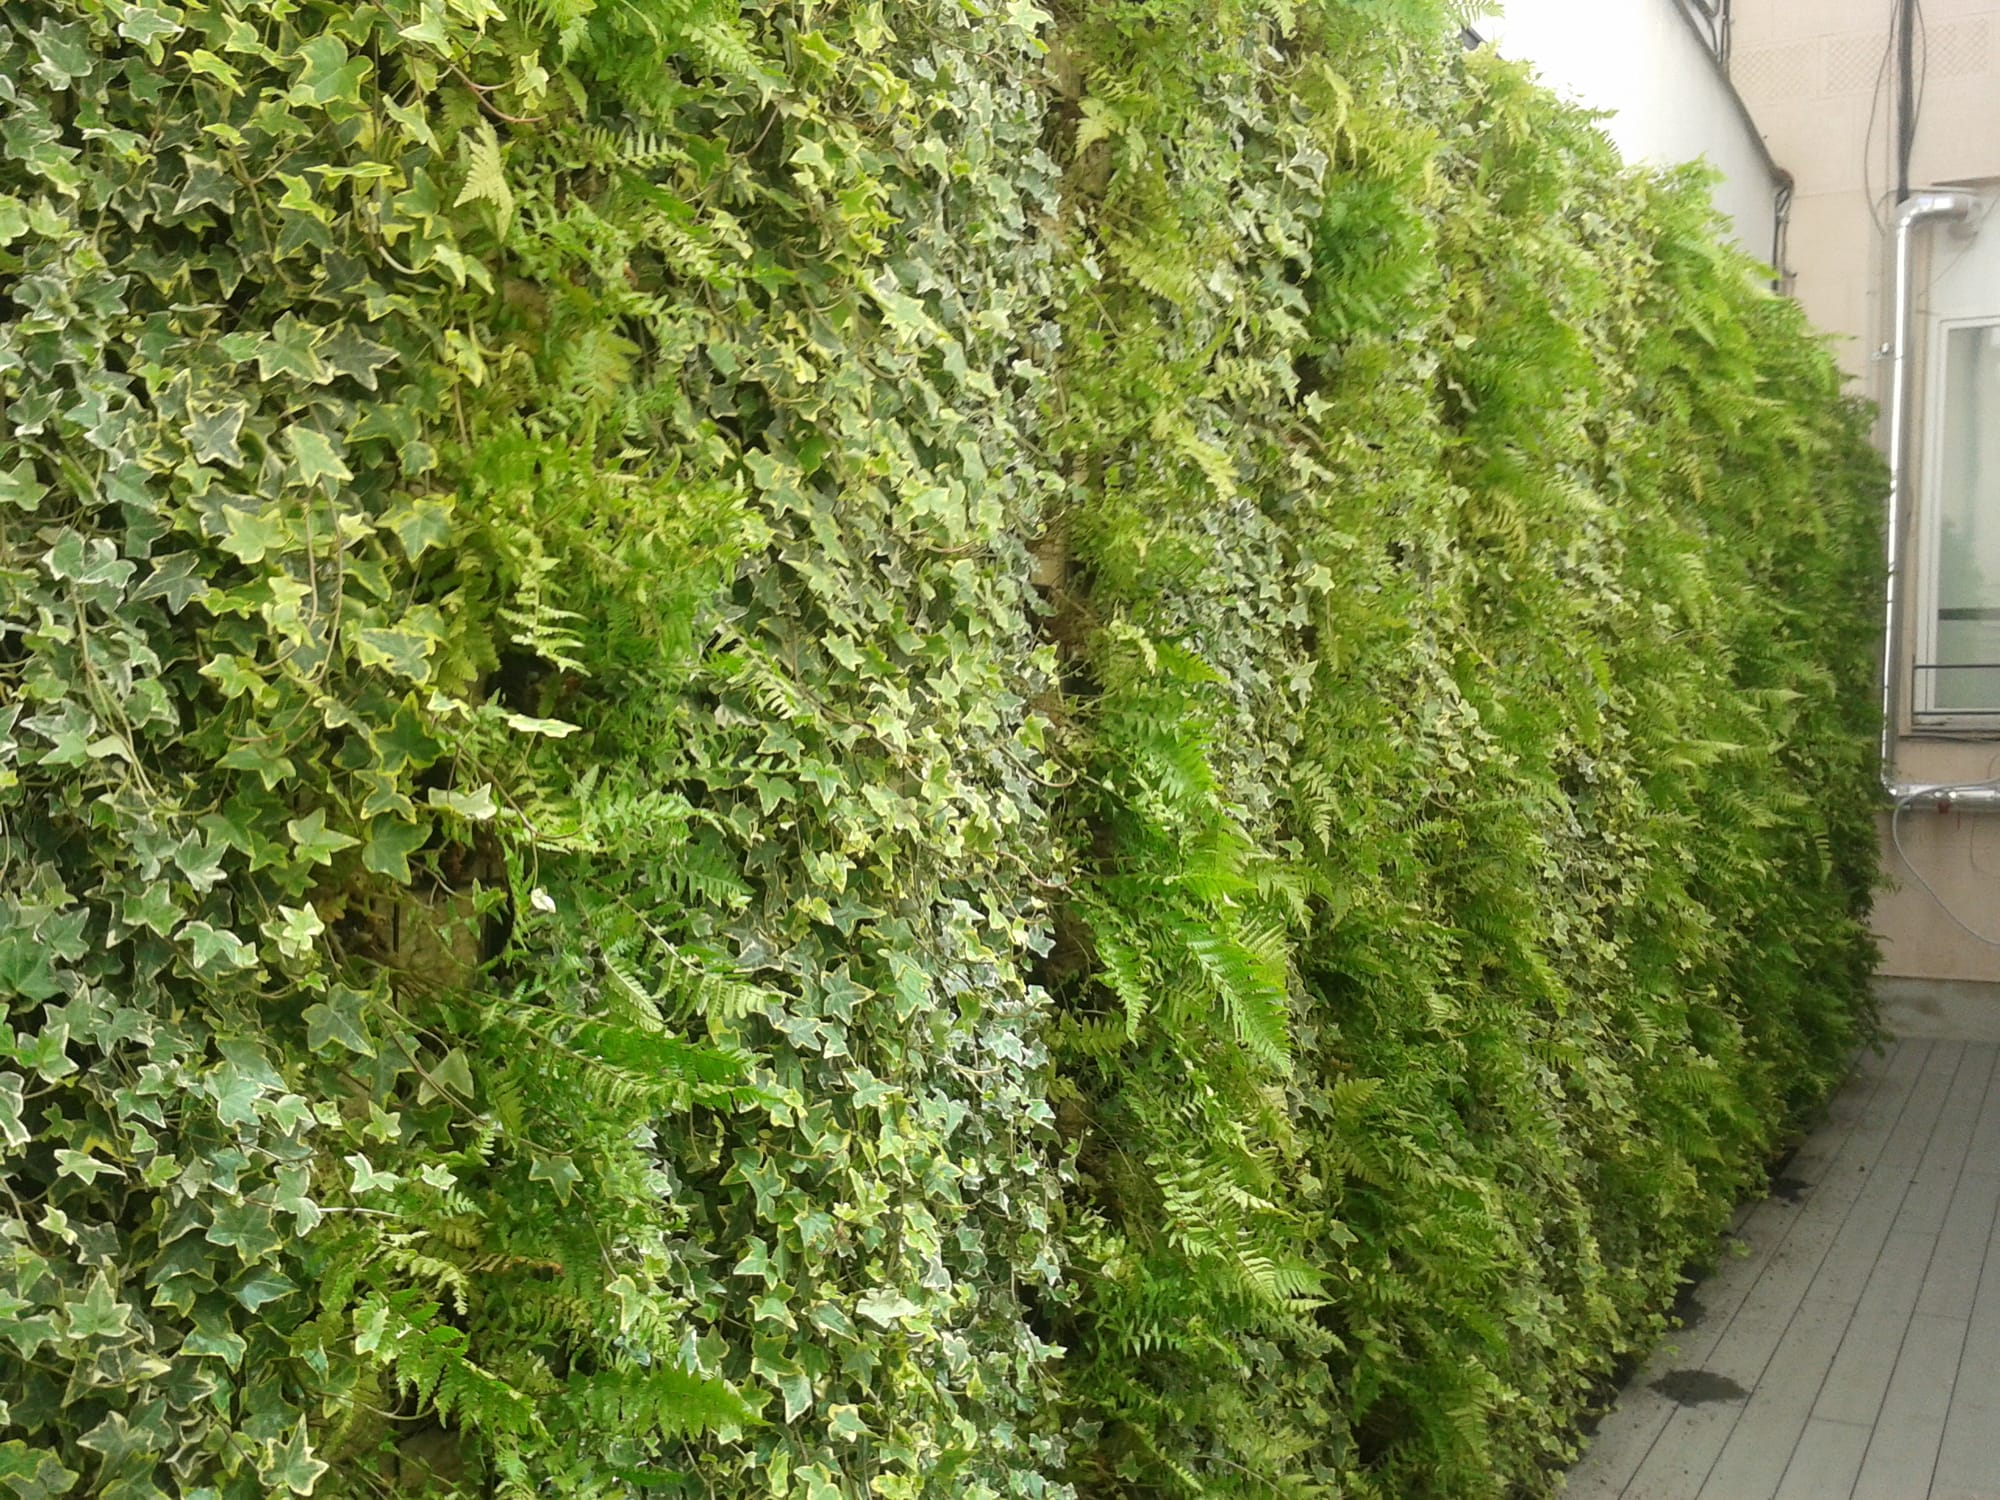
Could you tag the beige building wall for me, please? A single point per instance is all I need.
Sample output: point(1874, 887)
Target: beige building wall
point(1818, 78)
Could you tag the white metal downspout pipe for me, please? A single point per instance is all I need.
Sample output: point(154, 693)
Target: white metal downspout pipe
point(1919, 208)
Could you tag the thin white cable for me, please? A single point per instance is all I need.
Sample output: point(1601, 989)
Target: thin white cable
point(1931, 794)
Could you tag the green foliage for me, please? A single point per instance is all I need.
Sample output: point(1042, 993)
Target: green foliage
point(1458, 580)
point(721, 720)
point(517, 824)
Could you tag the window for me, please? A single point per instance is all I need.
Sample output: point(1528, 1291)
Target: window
point(1958, 656)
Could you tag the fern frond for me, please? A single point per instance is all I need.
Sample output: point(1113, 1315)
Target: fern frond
point(663, 1403)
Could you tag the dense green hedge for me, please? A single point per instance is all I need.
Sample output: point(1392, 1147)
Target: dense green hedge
point(1466, 550)
point(896, 748)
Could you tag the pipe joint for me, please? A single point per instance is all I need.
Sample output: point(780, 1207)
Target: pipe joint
point(1980, 798)
point(1935, 203)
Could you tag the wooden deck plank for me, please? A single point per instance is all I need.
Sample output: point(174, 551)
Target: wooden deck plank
point(1826, 1462)
point(1903, 1452)
point(1753, 1462)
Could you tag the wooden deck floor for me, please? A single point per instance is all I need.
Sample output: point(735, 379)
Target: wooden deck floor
point(1853, 1348)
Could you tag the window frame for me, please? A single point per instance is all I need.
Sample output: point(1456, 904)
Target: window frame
point(1924, 713)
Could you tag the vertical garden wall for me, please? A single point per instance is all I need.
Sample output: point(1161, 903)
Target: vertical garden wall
point(906, 749)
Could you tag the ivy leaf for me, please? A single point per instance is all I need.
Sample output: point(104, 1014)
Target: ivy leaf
point(264, 756)
point(39, 147)
point(454, 1071)
point(798, 1394)
point(420, 524)
point(25, 968)
point(213, 432)
point(47, 1053)
point(885, 1307)
point(555, 729)
point(246, 1228)
point(34, 1473)
point(299, 199)
point(89, 563)
point(404, 652)
point(290, 1195)
point(391, 842)
point(295, 930)
point(153, 907)
point(82, 1165)
point(216, 949)
point(315, 842)
point(204, 63)
point(259, 1285)
point(477, 804)
point(144, 26)
point(176, 578)
point(99, 1315)
point(252, 535)
point(339, 1018)
point(208, 184)
point(292, 1464)
point(212, 1336)
point(289, 1114)
point(315, 460)
point(367, 1179)
point(20, 486)
point(200, 862)
point(235, 1094)
point(326, 76)
point(904, 313)
point(844, 1422)
point(235, 675)
point(349, 352)
point(290, 352)
point(834, 1321)
point(429, 29)
point(63, 53)
point(12, 1101)
point(371, 1325)
point(558, 1171)
point(403, 744)
point(121, 1440)
point(384, 1125)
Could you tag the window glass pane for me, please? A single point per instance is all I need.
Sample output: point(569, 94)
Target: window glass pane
point(1968, 491)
